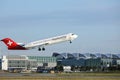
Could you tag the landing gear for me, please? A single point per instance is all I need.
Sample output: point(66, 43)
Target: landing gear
point(41, 49)
point(70, 41)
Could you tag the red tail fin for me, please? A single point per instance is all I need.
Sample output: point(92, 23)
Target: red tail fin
point(9, 42)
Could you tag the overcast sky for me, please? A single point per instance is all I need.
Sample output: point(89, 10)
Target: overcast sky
point(96, 22)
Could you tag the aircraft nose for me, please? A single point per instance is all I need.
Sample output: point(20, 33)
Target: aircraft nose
point(75, 36)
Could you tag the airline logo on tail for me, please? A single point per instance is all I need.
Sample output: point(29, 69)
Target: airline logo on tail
point(12, 45)
point(40, 44)
point(9, 43)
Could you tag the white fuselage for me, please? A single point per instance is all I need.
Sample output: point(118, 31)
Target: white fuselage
point(53, 40)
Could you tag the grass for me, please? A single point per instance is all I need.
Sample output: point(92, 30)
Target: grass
point(89, 74)
point(55, 78)
point(69, 76)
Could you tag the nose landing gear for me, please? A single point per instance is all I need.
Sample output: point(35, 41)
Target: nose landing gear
point(70, 41)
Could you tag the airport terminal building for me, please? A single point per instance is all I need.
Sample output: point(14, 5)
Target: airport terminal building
point(78, 61)
point(0, 63)
point(87, 61)
point(23, 62)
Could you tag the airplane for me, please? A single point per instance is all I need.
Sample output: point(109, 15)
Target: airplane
point(12, 45)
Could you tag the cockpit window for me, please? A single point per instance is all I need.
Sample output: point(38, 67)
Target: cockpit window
point(72, 34)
